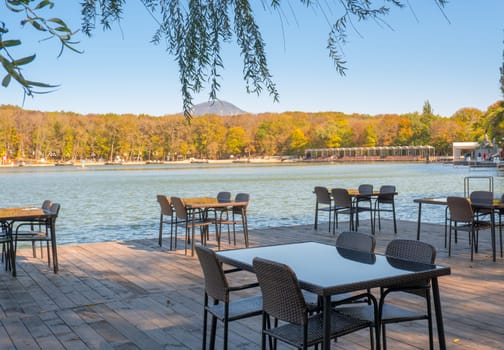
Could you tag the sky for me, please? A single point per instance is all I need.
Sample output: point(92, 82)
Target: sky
point(421, 54)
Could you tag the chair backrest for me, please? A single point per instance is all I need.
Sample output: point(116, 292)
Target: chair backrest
point(282, 296)
point(323, 195)
point(180, 209)
point(460, 209)
point(387, 193)
point(356, 241)
point(481, 197)
point(242, 197)
point(216, 284)
point(224, 197)
point(411, 250)
point(341, 197)
point(55, 208)
point(46, 205)
point(165, 204)
point(365, 189)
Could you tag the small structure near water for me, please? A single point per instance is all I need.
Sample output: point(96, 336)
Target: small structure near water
point(389, 153)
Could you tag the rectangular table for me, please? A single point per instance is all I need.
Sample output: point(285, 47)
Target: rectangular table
point(322, 270)
point(496, 205)
point(9, 216)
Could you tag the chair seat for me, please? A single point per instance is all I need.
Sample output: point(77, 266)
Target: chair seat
point(390, 313)
point(242, 308)
point(312, 300)
point(340, 325)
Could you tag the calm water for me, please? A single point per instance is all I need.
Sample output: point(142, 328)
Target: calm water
point(110, 203)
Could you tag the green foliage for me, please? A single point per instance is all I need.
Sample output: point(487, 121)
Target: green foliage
point(194, 32)
point(30, 13)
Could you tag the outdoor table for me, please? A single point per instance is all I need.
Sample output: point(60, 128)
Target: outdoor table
point(496, 205)
point(323, 270)
point(206, 204)
point(9, 216)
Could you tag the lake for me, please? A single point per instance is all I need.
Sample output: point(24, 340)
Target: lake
point(108, 203)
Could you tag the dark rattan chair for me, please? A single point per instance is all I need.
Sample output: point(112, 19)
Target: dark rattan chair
point(7, 245)
point(217, 288)
point(39, 231)
point(185, 217)
point(365, 197)
point(399, 252)
point(236, 215)
point(356, 241)
point(324, 202)
point(462, 219)
point(284, 301)
point(168, 217)
point(385, 203)
point(344, 204)
point(34, 225)
point(407, 250)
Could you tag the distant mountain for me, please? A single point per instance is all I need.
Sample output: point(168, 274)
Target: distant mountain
point(217, 107)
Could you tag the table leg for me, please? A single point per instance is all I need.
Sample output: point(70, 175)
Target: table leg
point(54, 246)
point(439, 316)
point(492, 214)
point(12, 253)
point(419, 220)
point(326, 303)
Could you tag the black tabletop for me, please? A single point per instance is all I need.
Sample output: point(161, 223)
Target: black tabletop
point(326, 270)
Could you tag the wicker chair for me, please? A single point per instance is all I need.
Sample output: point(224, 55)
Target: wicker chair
point(365, 196)
point(35, 225)
point(399, 252)
point(236, 215)
point(185, 218)
point(39, 231)
point(324, 202)
point(284, 301)
point(408, 250)
point(7, 245)
point(356, 241)
point(168, 217)
point(385, 197)
point(462, 219)
point(217, 288)
point(344, 204)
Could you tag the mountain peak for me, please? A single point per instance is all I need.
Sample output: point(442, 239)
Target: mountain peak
point(217, 107)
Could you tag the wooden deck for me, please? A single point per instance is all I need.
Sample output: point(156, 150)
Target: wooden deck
point(136, 295)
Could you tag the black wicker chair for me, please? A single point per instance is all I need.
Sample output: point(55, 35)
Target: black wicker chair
point(168, 217)
point(217, 288)
point(399, 252)
point(344, 204)
point(462, 218)
point(284, 301)
point(185, 217)
point(39, 231)
point(236, 215)
point(385, 197)
point(324, 202)
point(408, 250)
point(365, 197)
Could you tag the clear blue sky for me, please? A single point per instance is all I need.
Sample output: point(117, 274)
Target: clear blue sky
point(423, 57)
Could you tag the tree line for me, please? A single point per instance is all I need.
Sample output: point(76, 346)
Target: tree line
point(64, 136)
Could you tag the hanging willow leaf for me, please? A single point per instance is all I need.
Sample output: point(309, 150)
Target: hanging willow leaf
point(24, 60)
point(6, 80)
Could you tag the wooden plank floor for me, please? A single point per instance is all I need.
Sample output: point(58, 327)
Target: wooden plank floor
point(136, 295)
